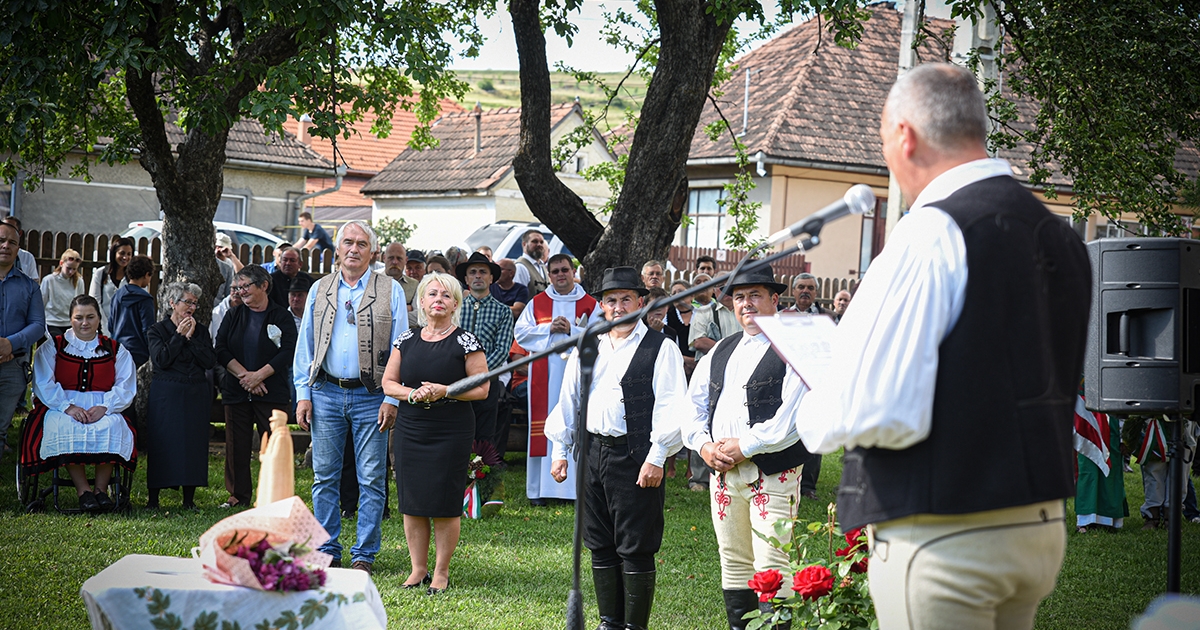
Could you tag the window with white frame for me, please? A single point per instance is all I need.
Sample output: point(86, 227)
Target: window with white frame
point(231, 209)
point(708, 223)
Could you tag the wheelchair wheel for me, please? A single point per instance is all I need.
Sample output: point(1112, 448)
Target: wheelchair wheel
point(26, 487)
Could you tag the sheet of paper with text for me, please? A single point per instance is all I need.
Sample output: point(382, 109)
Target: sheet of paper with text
point(803, 341)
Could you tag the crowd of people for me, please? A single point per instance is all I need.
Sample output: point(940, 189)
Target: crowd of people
point(364, 358)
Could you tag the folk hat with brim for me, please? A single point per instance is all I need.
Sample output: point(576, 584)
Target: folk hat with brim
point(300, 284)
point(626, 278)
point(476, 259)
point(763, 275)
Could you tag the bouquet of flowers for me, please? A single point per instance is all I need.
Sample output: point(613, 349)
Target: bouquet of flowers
point(258, 548)
point(826, 592)
point(277, 567)
point(482, 485)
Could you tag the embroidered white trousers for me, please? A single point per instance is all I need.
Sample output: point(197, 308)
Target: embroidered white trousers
point(744, 501)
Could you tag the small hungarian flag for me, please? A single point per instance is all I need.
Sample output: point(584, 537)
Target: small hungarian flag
point(1091, 435)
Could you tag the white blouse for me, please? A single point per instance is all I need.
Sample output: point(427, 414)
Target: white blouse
point(119, 398)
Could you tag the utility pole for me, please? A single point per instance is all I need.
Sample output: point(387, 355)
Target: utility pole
point(896, 204)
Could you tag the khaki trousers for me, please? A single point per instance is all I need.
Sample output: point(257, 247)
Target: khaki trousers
point(966, 571)
point(744, 501)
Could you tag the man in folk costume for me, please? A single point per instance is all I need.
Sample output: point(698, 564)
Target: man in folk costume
point(733, 420)
point(637, 382)
point(553, 315)
point(492, 324)
point(531, 271)
point(953, 381)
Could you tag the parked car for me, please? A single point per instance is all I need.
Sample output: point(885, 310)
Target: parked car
point(504, 237)
point(238, 233)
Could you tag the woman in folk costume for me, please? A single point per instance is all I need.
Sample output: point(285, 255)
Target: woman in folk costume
point(553, 315)
point(82, 381)
point(1100, 484)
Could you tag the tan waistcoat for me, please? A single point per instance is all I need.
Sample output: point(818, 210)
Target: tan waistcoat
point(374, 317)
point(538, 280)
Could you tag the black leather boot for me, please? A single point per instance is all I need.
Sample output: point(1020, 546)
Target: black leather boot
point(610, 597)
point(738, 602)
point(639, 598)
point(765, 607)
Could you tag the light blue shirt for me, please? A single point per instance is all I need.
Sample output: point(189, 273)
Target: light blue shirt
point(341, 358)
point(22, 314)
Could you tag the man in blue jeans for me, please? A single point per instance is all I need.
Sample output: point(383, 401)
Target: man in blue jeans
point(22, 323)
point(345, 339)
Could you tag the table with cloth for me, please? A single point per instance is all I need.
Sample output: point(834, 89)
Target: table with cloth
point(138, 589)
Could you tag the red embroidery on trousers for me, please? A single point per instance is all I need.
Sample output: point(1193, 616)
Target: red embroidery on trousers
point(721, 497)
point(760, 499)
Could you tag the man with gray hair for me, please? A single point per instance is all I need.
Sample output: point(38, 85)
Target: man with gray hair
point(804, 290)
point(975, 317)
point(350, 319)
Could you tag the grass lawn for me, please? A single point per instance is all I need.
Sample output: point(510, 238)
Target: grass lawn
point(513, 571)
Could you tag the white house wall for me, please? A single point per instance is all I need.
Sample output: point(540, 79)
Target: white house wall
point(440, 221)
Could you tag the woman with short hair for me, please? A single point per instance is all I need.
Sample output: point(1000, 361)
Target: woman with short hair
point(434, 432)
point(178, 425)
point(255, 343)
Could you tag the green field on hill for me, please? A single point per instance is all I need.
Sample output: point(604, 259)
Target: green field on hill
point(502, 88)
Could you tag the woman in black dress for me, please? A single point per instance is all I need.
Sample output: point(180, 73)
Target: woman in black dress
point(177, 429)
point(433, 434)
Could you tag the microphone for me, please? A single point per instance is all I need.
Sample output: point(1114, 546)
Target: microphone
point(858, 200)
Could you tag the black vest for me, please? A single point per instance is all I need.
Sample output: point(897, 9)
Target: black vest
point(764, 395)
point(637, 389)
point(1008, 372)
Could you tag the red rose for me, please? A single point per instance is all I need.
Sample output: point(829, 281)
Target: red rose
point(812, 582)
point(766, 584)
point(852, 537)
point(847, 552)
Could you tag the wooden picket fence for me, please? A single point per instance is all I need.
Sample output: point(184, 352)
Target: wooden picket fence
point(48, 246)
point(786, 270)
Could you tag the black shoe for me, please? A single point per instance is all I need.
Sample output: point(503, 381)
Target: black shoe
point(106, 504)
point(87, 502)
point(191, 507)
point(336, 563)
point(152, 505)
point(425, 580)
point(538, 502)
point(348, 514)
point(435, 591)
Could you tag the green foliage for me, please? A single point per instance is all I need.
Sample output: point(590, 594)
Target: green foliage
point(68, 67)
point(1118, 86)
point(486, 85)
point(392, 231)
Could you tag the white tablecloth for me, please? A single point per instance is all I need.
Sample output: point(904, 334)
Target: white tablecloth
point(137, 589)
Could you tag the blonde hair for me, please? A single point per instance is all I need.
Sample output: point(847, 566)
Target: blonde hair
point(69, 254)
point(448, 282)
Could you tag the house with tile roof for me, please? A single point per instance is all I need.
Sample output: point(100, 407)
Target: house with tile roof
point(467, 181)
point(364, 155)
point(811, 112)
point(263, 176)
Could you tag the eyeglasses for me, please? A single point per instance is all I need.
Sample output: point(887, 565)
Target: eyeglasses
point(240, 288)
point(350, 318)
point(190, 302)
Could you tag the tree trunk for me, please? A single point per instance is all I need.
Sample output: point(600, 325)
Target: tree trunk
point(651, 203)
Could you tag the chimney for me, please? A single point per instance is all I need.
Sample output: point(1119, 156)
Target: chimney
point(302, 126)
point(478, 112)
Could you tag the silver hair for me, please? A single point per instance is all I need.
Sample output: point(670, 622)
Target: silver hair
point(256, 275)
point(807, 276)
point(653, 263)
point(174, 292)
point(944, 105)
point(366, 228)
point(448, 282)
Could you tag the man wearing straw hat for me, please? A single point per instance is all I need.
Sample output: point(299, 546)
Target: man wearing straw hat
point(637, 380)
point(731, 420)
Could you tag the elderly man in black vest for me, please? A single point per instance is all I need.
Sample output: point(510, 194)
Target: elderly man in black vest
point(637, 380)
point(731, 420)
point(954, 379)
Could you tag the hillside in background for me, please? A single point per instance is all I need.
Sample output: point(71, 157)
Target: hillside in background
point(502, 88)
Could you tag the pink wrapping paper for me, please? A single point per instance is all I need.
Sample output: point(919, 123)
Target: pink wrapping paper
point(288, 520)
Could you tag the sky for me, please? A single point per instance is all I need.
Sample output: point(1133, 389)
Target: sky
point(589, 52)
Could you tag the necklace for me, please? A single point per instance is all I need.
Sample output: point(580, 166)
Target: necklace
point(438, 333)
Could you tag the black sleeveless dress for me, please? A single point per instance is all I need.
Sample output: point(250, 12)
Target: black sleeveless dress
point(432, 443)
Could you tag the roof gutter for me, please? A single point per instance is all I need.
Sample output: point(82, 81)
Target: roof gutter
point(340, 172)
point(272, 167)
point(766, 159)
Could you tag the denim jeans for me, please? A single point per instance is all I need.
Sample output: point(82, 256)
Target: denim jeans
point(337, 411)
point(12, 391)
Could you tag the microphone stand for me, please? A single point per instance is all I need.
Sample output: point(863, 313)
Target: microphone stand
point(585, 343)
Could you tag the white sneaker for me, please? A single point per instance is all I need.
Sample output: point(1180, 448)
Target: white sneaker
point(1196, 519)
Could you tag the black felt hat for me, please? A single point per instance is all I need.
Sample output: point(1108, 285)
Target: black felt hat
point(622, 278)
point(476, 259)
point(763, 275)
point(417, 255)
point(300, 284)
